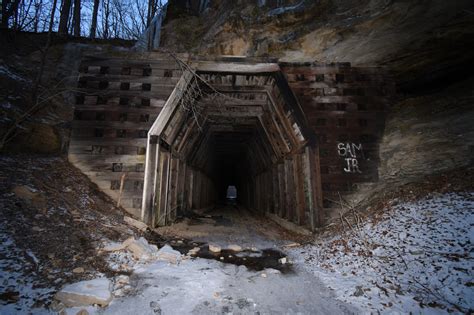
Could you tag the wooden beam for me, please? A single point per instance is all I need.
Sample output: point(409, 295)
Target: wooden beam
point(237, 68)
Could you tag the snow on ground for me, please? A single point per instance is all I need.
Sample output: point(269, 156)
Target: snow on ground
point(18, 284)
point(201, 286)
point(416, 257)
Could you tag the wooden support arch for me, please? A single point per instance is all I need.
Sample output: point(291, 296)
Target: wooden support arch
point(255, 112)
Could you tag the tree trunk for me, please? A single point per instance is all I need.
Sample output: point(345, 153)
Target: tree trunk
point(94, 19)
point(38, 10)
point(77, 18)
point(151, 12)
point(64, 17)
point(9, 9)
point(106, 19)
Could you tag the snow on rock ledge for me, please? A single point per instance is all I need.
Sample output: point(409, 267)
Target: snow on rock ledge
point(96, 291)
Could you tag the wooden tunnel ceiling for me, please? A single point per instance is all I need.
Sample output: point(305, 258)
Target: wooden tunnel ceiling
point(233, 125)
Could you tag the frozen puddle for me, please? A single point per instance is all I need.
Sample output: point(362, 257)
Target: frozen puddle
point(253, 259)
point(203, 286)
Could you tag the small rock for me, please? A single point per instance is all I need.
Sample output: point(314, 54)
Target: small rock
point(57, 306)
point(263, 275)
point(78, 270)
point(140, 249)
point(155, 307)
point(122, 279)
point(135, 223)
point(292, 245)
point(358, 291)
point(235, 248)
point(194, 251)
point(67, 190)
point(113, 247)
point(273, 271)
point(283, 260)
point(31, 196)
point(86, 293)
point(167, 253)
point(214, 248)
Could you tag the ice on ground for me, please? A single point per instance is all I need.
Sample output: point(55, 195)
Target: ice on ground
point(417, 257)
point(201, 286)
point(84, 293)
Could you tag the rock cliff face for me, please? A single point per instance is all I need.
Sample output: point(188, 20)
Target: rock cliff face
point(426, 46)
point(408, 36)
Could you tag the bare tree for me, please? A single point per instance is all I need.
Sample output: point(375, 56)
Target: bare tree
point(77, 18)
point(64, 17)
point(105, 18)
point(151, 11)
point(38, 12)
point(9, 9)
point(38, 102)
point(95, 12)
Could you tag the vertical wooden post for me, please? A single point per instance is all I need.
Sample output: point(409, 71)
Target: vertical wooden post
point(182, 171)
point(281, 180)
point(315, 189)
point(190, 189)
point(162, 195)
point(300, 196)
point(172, 190)
point(150, 178)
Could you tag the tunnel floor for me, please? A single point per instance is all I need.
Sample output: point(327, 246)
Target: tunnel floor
point(226, 225)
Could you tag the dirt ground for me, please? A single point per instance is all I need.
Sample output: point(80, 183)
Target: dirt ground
point(53, 219)
point(226, 225)
point(54, 222)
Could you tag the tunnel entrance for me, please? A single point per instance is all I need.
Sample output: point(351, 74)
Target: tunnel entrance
point(232, 124)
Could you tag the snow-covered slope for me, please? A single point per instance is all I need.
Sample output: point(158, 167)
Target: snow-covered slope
point(415, 257)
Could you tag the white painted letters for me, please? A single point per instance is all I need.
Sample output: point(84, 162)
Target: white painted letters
point(350, 152)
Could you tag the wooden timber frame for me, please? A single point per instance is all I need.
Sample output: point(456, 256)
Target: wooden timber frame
point(297, 135)
point(246, 110)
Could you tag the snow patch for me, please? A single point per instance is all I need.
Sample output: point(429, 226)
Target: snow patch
point(417, 257)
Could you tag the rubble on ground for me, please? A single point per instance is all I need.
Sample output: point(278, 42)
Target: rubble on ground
point(84, 293)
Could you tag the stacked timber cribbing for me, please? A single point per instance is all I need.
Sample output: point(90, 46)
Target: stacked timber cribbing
point(345, 107)
point(334, 112)
point(118, 100)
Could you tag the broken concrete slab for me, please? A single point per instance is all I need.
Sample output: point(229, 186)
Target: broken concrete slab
point(90, 292)
point(141, 249)
point(113, 247)
point(167, 253)
point(234, 248)
point(193, 251)
point(213, 248)
point(135, 223)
